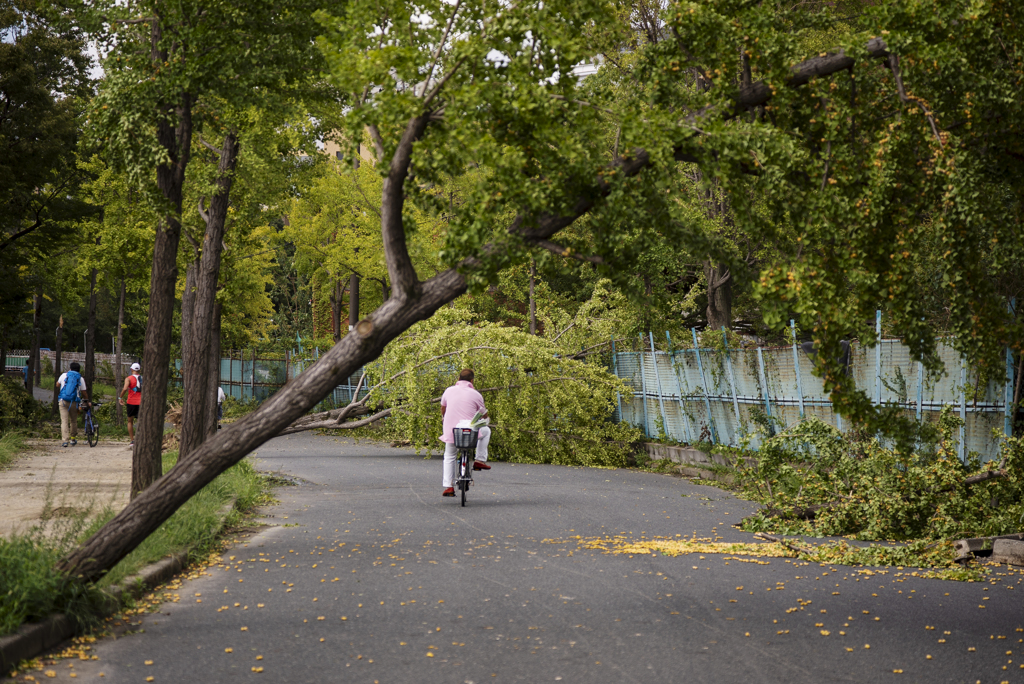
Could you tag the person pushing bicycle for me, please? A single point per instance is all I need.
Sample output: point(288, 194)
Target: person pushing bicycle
point(462, 402)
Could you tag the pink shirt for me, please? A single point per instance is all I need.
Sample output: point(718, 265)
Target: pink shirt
point(461, 402)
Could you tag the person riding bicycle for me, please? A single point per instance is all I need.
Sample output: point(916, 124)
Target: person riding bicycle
point(461, 402)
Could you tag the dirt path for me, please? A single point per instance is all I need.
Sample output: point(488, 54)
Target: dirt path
point(74, 480)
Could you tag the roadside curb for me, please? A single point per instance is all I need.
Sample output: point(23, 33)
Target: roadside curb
point(33, 638)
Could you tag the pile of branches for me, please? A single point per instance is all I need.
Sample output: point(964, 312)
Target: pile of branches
point(813, 480)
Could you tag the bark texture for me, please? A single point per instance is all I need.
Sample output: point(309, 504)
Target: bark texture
point(57, 365)
point(337, 293)
point(353, 301)
point(174, 133)
point(719, 280)
point(90, 333)
point(196, 358)
point(118, 370)
point(213, 375)
point(35, 368)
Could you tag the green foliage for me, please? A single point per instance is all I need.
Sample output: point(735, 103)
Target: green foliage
point(35, 590)
point(43, 78)
point(18, 408)
point(197, 523)
point(236, 408)
point(878, 493)
point(10, 444)
point(544, 407)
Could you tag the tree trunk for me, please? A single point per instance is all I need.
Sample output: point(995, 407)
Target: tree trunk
point(57, 366)
point(156, 352)
point(3, 351)
point(411, 301)
point(719, 280)
point(118, 369)
point(196, 366)
point(35, 369)
point(336, 297)
point(147, 511)
point(533, 302)
point(214, 373)
point(353, 301)
point(90, 333)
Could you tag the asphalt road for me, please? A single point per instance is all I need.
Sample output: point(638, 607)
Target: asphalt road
point(368, 575)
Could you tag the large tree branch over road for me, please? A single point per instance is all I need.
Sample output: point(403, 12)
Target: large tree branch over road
point(411, 302)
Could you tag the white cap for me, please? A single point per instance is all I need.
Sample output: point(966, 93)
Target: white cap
point(136, 366)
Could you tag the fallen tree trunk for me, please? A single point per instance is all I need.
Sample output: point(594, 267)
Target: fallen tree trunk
point(411, 301)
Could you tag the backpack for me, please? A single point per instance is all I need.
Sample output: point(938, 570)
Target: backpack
point(137, 387)
point(69, 392)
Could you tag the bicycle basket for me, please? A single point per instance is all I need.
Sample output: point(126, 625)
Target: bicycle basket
point(465, 438)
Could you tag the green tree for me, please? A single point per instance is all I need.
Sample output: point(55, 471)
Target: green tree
point(172, 71)
point(43, 80)
point(438, 84)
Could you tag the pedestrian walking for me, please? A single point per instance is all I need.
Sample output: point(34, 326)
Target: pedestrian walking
point(24, 372)
point(220, 406)
point(70, 388)
point(133, 386)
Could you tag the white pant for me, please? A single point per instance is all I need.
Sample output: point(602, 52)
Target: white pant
point(451, 455)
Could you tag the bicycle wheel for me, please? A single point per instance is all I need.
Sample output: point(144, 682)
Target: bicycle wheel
point(92, 431)
point(464, 479)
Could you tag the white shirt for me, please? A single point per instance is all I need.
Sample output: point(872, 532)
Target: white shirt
point(220, 395)
point(81, 382)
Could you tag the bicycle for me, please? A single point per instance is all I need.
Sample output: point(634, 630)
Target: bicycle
point(92, 428)
point(465, 442)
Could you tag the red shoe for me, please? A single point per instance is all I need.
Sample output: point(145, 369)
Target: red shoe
point(480, 465)
point(450, 491)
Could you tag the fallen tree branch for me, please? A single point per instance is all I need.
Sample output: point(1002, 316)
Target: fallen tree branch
point(318, 423)
point(412, 301)
point(784, 542)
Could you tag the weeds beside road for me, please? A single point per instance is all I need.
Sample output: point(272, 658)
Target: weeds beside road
point(36, 590)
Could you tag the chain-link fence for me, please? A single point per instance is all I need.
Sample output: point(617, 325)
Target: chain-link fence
point(719, 395)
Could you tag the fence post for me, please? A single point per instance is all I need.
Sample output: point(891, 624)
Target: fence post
point(657, 376)
point(961, 451)
point(796, 369)
point(615, 369)
point(704, 384)
point(878, 357)
point(643, 384)
point(920, 389)
point(764, 386)
point(252, 378)
point(287, 366)
point(690, 430)
point(1008, 398)
point(732, 379)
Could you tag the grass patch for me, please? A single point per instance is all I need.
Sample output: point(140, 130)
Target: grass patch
point(11, 444)
point(27, 562)
point(195, 524)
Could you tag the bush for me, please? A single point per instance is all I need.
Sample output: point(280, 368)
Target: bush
point(18, 408)
point(236, 408)
point(47, 366)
